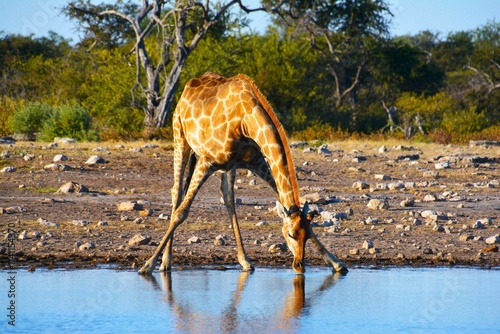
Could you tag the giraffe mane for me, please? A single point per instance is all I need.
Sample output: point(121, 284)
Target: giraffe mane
point(281, 132)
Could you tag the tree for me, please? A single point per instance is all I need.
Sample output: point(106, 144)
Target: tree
point(165, 33)
point(343, 32)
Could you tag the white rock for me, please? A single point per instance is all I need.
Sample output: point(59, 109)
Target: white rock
point(442, 165)
point(493, 240)
point(360, 185)
point(60, 157)
point(8, 169)
point(367, 244)
point(382, 177)
point(377, 204)
point(163, 216)
point(194, 240)
point(139, 239)
point(87, 246)
point(95, 159)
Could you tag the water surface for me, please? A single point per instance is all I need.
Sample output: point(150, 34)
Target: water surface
point(268, 300)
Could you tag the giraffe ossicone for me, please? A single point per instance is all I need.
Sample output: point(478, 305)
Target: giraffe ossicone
point(222, 124)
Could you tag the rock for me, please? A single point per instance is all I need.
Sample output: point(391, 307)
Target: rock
point(276, 248)
point(354, 251)
point(139, 239)
point(194, 240)
point(146, 213)
point(23, 235)
point(261, 223)
point(442, 165)
point(29, 157)
point(367, 244)
point(377, 204)
point(64, 140)
point(371, 220)
point(308, 150)
point(383, 149)
point(313, 198)
point(8, 169)
point(360, 185)
point(77, 222)
point(252, 182)
point(60, 157)
point(13, 209)
point(72, 187)
point(219, 240)
point(95, 159)
point(136, 150)
point(485, 221)
point(163, 216)
point(129, 206)
point(409, 202)
point(430, 198)
point(466, 237)
point(493, 240)
point(47, 223)
point(396, 185)
point(438, 228)
point(104, 223)
point(87, 246)
point(323, 149)
point(382, 177)
point(492, 248)
point(59, 167)
point(478, 225)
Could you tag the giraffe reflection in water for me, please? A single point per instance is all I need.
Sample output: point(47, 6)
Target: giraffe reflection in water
point(242, 312)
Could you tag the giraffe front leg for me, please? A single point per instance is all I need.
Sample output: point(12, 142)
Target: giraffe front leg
point(166, 262)
point(227, 188)
point(328, 257)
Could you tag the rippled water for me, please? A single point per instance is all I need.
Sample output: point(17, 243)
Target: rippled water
point(270, 301)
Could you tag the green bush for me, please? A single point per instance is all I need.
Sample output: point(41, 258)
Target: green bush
point(70, 120)
point(30, 119)
point(464, 122)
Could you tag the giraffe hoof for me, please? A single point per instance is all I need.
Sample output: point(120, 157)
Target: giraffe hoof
point(146, 269)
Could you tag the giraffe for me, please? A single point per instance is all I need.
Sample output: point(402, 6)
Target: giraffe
point(221, 124)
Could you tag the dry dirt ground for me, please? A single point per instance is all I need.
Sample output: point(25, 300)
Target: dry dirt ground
point(465, 192)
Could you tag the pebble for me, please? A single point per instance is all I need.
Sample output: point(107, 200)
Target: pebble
point(276, 248)
point(442, 165)
point(492, 248)
point(194, 240)
point(72, 187)
point(23, 235)
point(354, 251)
point(103, 223)
point(219, 240)
point(77, 222)
point(493, 240)
point(139, 239)
point(47, 223)
point(477, 225)
point(382, 177)
point(8, 169)
point(129, 206)
point(163, 216)
point(60, 157)
point(95, 159)
point(377, 204)
point(261, 223)
point(409, 202)
point(87, 246)
point(360, 185)
point(430, 198)
point(466, 237)
point(367, 244)
point(57, 167)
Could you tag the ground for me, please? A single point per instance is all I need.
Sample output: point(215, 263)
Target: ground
point(465, 192)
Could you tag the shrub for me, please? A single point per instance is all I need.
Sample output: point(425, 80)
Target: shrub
point(30, 119)
point(70, 120)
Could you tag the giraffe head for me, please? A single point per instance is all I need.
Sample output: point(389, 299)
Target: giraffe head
point(296, 230)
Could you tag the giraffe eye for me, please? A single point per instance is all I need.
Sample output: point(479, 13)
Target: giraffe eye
point(290, 235)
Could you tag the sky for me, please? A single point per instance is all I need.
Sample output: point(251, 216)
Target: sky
point(38, 17)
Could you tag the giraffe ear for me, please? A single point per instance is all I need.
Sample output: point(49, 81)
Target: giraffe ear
point(282, 212)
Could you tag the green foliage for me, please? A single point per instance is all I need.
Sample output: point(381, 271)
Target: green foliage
point(69, 121)
point(31, 118)
point(47, 122)
point(464, 122)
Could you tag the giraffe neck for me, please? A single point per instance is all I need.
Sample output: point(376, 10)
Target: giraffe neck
point(263, 127)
